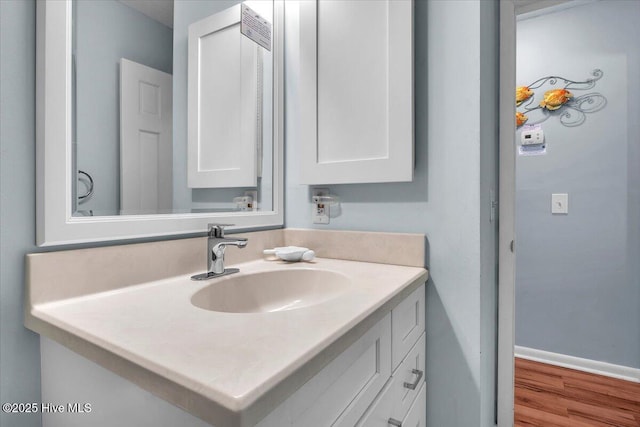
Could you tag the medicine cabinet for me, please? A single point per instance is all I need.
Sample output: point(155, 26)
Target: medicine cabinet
point(356, 91)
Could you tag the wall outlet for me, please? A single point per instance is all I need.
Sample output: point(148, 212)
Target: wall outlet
point(319, 208)
point(254, 199)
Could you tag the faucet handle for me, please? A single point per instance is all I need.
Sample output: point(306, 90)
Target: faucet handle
point(217, 230)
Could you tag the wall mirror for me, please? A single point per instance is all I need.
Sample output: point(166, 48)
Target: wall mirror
point(157, 117)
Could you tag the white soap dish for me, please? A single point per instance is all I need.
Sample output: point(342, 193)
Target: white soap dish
point(291, 253)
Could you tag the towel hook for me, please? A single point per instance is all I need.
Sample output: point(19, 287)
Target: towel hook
point(90, 190)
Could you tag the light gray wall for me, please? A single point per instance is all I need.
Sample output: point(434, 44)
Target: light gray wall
point(105, 32)
point(577, 276)
point(19, 348)
point(455, 116)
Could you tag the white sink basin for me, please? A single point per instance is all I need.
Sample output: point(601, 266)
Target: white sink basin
point(271, 291)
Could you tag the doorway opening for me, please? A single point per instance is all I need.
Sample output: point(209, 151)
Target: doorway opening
point(574, 174)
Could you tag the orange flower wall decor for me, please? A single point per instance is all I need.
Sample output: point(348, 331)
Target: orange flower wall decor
point(522, 94)
point(555, 98)
point(520, 119)
point(558, 100)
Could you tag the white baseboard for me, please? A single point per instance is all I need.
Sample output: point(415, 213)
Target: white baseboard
point(587, 365)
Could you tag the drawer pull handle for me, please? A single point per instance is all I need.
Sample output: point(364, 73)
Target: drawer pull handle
point(395, 422)
point(413, 386)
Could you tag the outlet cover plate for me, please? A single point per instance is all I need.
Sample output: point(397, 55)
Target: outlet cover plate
point(319, 211)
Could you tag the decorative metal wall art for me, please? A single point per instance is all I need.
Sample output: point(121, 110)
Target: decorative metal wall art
point(558, 100)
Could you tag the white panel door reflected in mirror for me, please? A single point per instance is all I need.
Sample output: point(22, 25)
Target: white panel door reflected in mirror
point(146, 127)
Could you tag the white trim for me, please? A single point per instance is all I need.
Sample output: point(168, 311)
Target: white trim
point(55, 224)
point(578, 363)
point(506, 232)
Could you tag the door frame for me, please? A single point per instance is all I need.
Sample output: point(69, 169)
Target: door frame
point(506, 228)
point(509, 10)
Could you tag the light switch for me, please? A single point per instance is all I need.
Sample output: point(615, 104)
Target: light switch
point(560, 203)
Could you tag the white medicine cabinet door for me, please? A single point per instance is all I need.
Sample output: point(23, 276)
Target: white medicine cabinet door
point(356, 91)
point(224, 98)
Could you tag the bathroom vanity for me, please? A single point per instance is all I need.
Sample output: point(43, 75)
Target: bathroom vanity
point(127, 336)
point(334, 342)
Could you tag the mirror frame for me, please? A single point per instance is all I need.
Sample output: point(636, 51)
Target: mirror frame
point(55, 224)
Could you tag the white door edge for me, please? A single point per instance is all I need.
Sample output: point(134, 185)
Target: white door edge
point(506, 233)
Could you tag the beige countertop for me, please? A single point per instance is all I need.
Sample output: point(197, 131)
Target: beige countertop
point(230, 360)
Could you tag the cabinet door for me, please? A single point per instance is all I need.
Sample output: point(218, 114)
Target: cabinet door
point(356, 78)
point(223, 103)
point(407, 323)
point(346, 387)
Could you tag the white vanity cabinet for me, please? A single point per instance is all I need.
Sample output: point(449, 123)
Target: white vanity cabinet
point(378, 380)
point(356, 91)
point(362, 386)
point(296, 345)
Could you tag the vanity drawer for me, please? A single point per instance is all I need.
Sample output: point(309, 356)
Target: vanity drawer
point(417, 416)
point(396, 403)
point(407, 324)
point(345, 388)
point(408, 379)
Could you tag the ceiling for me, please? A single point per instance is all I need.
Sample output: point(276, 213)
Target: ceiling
point(158, 10)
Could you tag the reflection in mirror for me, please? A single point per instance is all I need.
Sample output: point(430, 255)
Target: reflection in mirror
point(130, 115)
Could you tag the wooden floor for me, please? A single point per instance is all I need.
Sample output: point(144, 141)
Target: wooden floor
point(550, 396)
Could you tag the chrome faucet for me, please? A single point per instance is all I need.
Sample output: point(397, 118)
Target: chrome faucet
point(216, 246)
